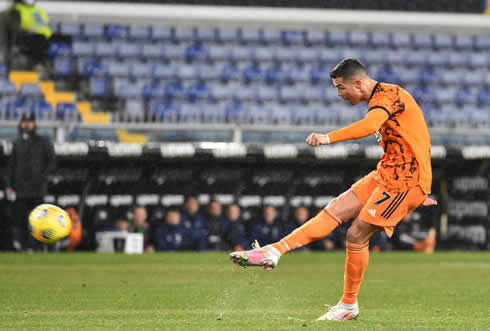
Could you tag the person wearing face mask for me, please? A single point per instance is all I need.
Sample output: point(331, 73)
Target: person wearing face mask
point(31, 161)
point(27, 28)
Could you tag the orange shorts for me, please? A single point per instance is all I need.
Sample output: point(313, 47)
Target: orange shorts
point(384, 207)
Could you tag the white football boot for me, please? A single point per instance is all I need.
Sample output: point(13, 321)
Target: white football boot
point(341, 312)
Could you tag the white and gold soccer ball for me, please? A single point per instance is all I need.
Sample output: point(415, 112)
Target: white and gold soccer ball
point(49, 223)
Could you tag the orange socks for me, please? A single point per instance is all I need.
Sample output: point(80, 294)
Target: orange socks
point(356, 262)
point(315, 229)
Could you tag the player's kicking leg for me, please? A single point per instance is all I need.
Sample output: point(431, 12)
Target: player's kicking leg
point(344, 207)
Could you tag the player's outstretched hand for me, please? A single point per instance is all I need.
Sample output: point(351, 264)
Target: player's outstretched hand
point(316, 139)
point(429, 202)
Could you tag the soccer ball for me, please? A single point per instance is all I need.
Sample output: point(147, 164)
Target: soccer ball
point(49, 223)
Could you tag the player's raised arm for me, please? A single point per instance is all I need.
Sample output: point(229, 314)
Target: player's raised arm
point(360, 129)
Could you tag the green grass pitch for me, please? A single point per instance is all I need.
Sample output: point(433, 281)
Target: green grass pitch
point(188, 291)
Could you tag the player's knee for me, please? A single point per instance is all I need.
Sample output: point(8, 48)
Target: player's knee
point(355, 235)
point(334, 208)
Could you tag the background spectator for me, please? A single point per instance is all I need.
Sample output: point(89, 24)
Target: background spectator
point(27, 28)
point(31, 161)
point(269, 229)
point(173, 235)
point(141, 225)
point(409, 236)
point(233, 232)
point(215, 224)
point(192, 219)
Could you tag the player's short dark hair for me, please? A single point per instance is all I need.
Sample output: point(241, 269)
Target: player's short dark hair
point(347, 69)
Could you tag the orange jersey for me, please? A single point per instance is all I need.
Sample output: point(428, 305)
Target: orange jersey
point(405, 139)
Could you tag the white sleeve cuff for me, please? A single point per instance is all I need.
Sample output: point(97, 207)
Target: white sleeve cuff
point(328, 139)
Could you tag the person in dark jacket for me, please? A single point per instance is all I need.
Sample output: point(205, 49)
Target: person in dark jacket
point(233, 231)
point(269, 229)
point(192, 218)
point(214, 225)
point(31, 161)
point(173, 235)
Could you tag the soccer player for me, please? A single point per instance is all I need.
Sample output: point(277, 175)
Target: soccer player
point(377, 202)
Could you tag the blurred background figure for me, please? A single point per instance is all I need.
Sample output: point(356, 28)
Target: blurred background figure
point(233, 230)
point(172, 234)
point(141, 225)
point(408, 235)
point(31, 161)
point(192, 219)
point(214, 225)
point(28, 33)
point(122, 224)
point(269, 229)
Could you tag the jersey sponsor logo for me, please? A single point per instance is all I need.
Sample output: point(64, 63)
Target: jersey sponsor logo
point(372, 212)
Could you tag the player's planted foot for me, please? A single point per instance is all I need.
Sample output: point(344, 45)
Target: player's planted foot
point(341, 312)
point(266, 257)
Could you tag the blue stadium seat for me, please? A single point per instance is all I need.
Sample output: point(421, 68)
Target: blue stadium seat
point(401, 39)
point(58, 48)
point(466, 95)
point(266, 93)
point(443, 41)
point(338, 37)
point(141, 70)
point(231, 72)
point(213, 113)
point(105, 49)
point(352, 53)
point(43, 110)
point(445, 95)
point(285, 54)
point(236, 113)
point(70, 29)
point(416, 58)
point(380, 39)
point(184, 33)
point(325, 115)
point(128, 90)
point(330, 94)
point(330, 56)
point(206, 34)
point(300, 74)
point(474, 77)
point(154, 91)
point(82, 48)
point(99, 87)
point(247, 93)
point(139, 32)
point(482, 42)
point(67, 112)
point(31, 91)
point(276, 74)
point(320, 75)
point(177, 52)
point(163, 71)
point(315, 37)
point(293, 37)
point(253, 73)
point(312, 94)
point(222, 92)
point(358, 38)
point(457, 58)
point(135, 110)
point(161, 33)
point(250, 35)
point(175, 90)
point(209, 72)
point(240, 53)
point(93, 30)
point(422, 40)
point(228, 34)
point(117, 69)
point(152, 51)
point(198, 91)
point(290, 94)
point(276, 115)
point(262, 54)
point(429, 76)
point(89, 67)
point(478, 59)
point(437, 58)
point(126, 49)
point(271, 35)
point(302, 114)
point(218, 52)
point(451, 77)
point(423, 94)
point(18, 107)
point(197, 52)
point(7, 88)
point(190, 113)
point(387, 74)
point(307, 55)
point(188, 72)
point(162, 111)
point(409, 76)
point(3, 70)
point(375, 56)
point(116, 31)
point(394, 57)
point(463, 41)
point(484, 97)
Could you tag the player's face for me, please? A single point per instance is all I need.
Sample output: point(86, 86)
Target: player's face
point(349, 90)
